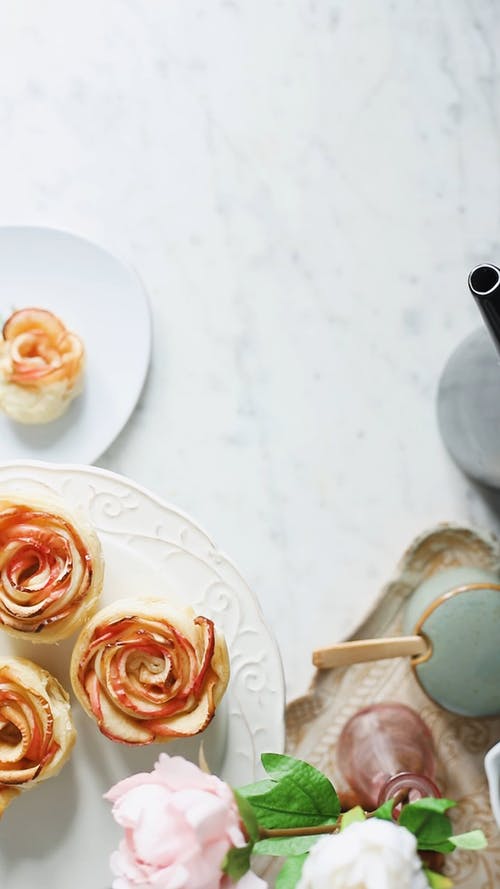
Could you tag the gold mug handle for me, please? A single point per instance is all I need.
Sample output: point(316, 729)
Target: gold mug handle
point(362, 650)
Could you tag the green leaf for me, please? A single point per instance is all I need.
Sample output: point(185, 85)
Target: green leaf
point(437, 881)
point(285, 806)
point(384, 812)
point(474, 839)
point(432, 829)
point(257, 788)
point(277, 765)
point(247, 816)
point(290, 873)
point(284, 846)
point(300, 797)
point(443, 847)
point(237, 862)
point(352, 816)
point(431, 804)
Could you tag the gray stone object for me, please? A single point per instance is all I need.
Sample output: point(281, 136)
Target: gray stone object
point(468, 403)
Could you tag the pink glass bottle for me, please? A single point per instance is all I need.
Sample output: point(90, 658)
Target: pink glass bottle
point(384, 750)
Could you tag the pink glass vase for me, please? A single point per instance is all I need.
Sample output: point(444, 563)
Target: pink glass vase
point(386, 750)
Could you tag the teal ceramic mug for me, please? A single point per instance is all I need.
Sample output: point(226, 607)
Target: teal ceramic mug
point(452, 627)
point(458, 613)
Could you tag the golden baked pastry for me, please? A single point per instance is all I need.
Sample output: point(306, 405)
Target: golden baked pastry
point(36, 729)
point(148, 672)
point(51, 569)
point(41, 366)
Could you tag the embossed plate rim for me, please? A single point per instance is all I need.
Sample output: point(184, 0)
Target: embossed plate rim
point(277, 726)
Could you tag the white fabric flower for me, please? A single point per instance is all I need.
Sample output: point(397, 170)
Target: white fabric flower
point(371, 854)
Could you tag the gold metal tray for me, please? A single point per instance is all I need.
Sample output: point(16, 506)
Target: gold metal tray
point(314, 721)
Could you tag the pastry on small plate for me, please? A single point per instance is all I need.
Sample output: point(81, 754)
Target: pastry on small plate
point(51, 569)
point(36, 729)
point(41, 366)
point(149, 672)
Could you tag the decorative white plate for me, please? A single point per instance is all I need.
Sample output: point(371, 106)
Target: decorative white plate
point(61, 833)
point(104, 302)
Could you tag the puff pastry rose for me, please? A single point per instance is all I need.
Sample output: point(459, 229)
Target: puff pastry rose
point(148, 672)
point(51, 570)
point(36, 729)
point(41, 366)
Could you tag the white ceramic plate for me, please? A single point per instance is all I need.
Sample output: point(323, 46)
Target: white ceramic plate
point(60, 834)
point(103, 301)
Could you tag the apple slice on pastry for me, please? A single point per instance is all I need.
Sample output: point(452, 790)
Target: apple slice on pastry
point(51, 569)
point(41, 366)
point(148, 672)
point(36, 729)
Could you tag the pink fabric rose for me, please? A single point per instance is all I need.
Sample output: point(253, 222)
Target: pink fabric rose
point(179, 824)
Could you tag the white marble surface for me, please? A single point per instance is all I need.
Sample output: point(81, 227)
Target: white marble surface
point(303, 185)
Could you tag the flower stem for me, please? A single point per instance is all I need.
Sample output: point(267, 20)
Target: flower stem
point(271, 833)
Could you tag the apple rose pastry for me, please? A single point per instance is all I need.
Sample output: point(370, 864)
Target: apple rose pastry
point(51, 570)
point(36, 729)
point(41, 366)
point(148, 672)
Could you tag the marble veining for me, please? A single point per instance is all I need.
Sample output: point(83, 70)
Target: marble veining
point(303, 187)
